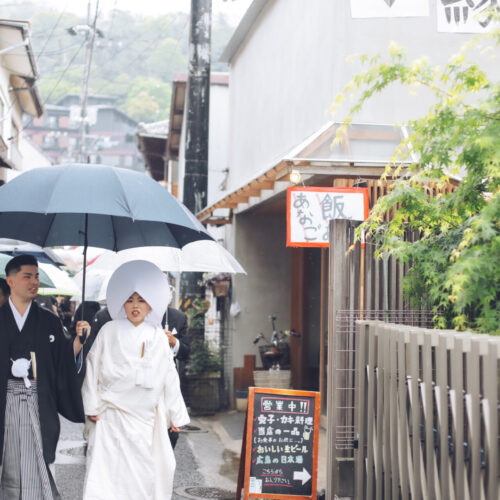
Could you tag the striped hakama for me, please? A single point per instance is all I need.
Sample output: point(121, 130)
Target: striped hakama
point(24, 473)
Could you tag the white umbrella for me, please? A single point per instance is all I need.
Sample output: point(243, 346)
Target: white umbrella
point(72, 257)
point(199, 256)
point(64, 284)
point(16, 247)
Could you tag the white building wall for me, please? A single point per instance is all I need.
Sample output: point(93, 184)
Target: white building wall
point(260, 248)
point(285, 75)
point(283, 80)
point(217, 141)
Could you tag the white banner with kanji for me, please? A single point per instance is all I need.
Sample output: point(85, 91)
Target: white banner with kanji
point(309, 210)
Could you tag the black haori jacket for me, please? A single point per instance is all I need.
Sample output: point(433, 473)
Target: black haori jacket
point(58, 383)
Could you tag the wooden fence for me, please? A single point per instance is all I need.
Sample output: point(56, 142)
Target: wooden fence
point(426, 413)
point(360, 287)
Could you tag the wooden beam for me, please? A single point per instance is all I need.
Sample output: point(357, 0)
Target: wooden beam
point(239, 198)
point(248, 191)
point(215, 221)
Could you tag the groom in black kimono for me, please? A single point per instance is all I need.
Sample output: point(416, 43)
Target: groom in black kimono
point(41, 372)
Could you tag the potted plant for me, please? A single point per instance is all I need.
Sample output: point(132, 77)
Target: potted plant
point(219, 283)
point(203, 377)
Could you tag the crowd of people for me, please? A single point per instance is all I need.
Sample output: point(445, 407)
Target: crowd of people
point(112, 367)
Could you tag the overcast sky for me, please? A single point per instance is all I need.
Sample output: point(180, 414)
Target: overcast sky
point(234, 9)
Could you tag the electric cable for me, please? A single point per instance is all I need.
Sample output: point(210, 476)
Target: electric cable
point(26, 125)
point(52, 31)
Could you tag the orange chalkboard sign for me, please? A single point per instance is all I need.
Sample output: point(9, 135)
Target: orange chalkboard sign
point(279, 452)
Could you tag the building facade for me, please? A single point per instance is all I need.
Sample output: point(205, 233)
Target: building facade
point(110, 139)
point(288, 61)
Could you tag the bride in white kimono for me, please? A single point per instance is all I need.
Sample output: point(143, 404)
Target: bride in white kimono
point(131, 393)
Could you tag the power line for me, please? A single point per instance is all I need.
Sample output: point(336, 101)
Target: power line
point(52, 31)
point(55, 86)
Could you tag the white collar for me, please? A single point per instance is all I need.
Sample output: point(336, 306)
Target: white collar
point(20, 318)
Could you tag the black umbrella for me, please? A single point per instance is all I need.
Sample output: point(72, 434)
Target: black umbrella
point(94, 205)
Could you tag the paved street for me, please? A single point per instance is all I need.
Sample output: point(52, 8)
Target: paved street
point(207, 458)
point(202, 461)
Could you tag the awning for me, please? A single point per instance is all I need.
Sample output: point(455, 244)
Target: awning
point(365, 151)
point(152, 141)
point(19, 61)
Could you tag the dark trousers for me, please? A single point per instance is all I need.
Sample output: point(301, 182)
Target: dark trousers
point(174, 436)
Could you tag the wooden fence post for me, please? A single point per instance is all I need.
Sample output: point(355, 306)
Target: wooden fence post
point(340, 477)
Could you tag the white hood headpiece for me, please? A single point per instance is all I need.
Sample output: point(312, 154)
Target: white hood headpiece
point(144, 278)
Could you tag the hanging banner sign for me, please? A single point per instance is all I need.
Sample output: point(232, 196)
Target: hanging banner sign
point(465, 16)
point(309, 210)
point(279, 453)
point(389, 8)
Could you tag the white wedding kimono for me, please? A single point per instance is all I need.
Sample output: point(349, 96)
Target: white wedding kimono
point(133, 385)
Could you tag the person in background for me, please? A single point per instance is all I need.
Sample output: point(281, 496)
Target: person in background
point(66, 310)
point(4, 292)
point(131, 392)
point(40, 376)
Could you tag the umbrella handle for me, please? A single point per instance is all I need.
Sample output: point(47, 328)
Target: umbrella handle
point(83, 336)
point(85, 245)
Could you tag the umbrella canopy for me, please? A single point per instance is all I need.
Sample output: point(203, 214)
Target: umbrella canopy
point(16, 247)
point(199, 256)
point(63, 283)
point(44, 278)
point(94, 205)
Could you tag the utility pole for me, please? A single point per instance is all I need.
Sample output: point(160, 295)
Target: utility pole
point(197, 124)
point(90, 32)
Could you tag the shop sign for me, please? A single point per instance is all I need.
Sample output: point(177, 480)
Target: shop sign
point(309, 210)
point(279, 454)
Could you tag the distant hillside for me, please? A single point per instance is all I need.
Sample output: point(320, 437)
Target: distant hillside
point(135, 60)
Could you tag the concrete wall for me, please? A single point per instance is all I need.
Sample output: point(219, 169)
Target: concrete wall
point(292, 63)
point(260, 247)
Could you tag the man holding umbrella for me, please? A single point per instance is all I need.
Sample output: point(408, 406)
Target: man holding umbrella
point(40, 376)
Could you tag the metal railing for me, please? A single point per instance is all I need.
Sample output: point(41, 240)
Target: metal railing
point(426, 413)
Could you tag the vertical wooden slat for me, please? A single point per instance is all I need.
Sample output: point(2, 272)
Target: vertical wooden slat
point(473, 412)
point(491, 388)
point(457, 388)
point(368, 274)
point(297, 316)
point(415, 415)
point(371, 431)
point(427, 385)
point(379, 419)
point(386, 396)
point(363, 334)
point(322, 328)
point(442, 401)
point(393, 411)
point(403, 431)
point(393, 293)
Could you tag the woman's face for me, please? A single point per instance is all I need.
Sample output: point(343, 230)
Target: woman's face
point(136, 309)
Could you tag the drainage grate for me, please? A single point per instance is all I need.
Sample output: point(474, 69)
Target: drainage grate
point(81, 451)
point(192, 428)
point(204, 492)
